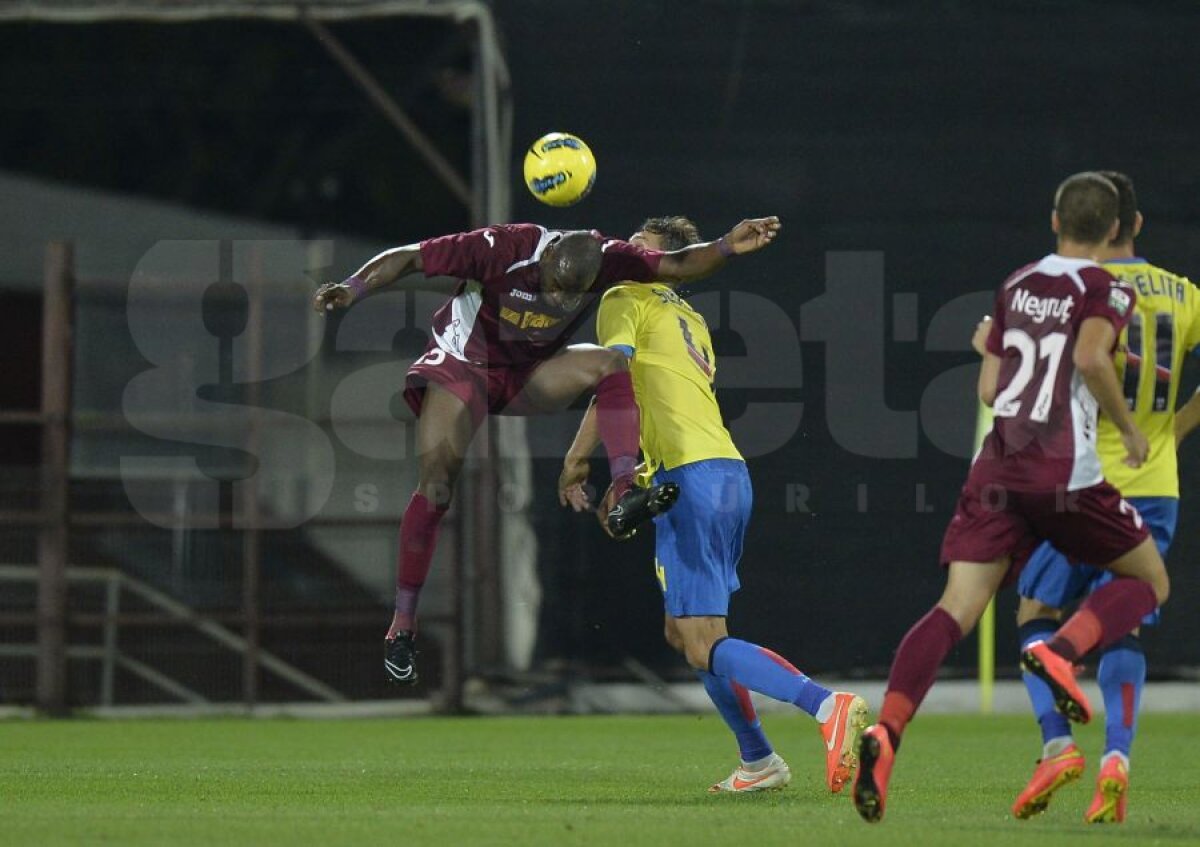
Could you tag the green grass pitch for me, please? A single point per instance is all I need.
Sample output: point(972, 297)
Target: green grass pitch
point(558, 781)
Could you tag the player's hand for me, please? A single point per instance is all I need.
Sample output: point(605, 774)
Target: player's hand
point(753, 234)
point(1137, 448)
point(982, 331)
point(606, 504)
point(331, 296)
point(571, 485)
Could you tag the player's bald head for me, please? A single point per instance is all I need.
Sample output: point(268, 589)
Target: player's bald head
point(574, 261)
point(1086, 206)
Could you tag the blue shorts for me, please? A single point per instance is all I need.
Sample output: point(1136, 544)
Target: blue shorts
point(1050, 579)
point(699, 541)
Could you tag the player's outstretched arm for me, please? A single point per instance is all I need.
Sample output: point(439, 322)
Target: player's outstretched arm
point(381, 271)
point(979, 339)
point(700, 260)
point(571, 481)
point(989, 376)
point(1093, 360)
point(1187, 418)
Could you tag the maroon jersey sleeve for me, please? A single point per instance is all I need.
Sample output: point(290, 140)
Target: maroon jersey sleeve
point(626, 262)
point(480, 254)
point(1107, 297)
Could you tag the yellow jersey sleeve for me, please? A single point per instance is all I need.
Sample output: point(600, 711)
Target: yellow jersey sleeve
point(1193, 337)
point(618, 318)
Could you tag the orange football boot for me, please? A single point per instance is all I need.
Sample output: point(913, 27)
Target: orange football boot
point(1059, 674)
point(1051, 774)
point(841, 733)
point(1112, 789)
point(875, 760)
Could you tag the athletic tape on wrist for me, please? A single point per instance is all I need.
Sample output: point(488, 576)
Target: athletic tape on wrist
point(356, 284)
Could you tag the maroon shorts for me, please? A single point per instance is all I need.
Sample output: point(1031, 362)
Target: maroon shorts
point(484, 390)
point(1092, 525)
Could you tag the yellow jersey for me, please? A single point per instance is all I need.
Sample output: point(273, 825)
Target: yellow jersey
point(1164, 328)
point(673, 370)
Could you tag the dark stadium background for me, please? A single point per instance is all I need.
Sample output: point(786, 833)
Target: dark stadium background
point(934, 136)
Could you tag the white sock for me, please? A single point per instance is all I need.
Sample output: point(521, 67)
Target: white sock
point(1056, 745)
point(1124, 759)
point(825, 710)
point(752, 767)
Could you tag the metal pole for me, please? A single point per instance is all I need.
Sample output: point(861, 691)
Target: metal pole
point(108, 667)
point(251, 542)
point(986, 631)
point(452, 655)
point(53, 535)
point(383, 101)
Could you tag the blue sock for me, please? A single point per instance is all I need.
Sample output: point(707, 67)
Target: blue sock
point(1122, 675)
point(1054, 723)
point(739, 716)
point(761, 670)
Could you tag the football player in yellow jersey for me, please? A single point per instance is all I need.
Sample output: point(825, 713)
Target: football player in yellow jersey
point(1164, 328)
point(699, 542)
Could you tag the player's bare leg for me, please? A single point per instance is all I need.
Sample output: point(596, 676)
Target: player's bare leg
point(760, 767)
point(444, 432)
point(561, 380)
point(842, 716)
point(1107, 615)
point(970, 586)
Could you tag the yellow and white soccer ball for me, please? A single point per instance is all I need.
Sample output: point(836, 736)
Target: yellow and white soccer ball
point(559, 169)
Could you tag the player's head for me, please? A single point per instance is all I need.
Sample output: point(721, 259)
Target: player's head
point(569, 267)
point(1085, 209)
point(1127, 209)
point(673, 232)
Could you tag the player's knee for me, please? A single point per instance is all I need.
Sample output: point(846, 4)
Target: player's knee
point(697, 648)
point(1033, 610)
point(697, 652)
point(437, 484)
point(1162, 587)
point(438, 493)
point(965, 610)
point(438, 477)
point(671, 634)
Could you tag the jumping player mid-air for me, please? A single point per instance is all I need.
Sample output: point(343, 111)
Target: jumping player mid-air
point(497, 348)
point(1164, 327)
point(699, 542)
point(1037, 478)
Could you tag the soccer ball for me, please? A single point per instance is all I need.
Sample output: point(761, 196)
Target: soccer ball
point(560, 169)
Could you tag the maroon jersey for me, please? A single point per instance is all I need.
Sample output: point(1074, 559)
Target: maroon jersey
point(1044, 436)
point(498, 316)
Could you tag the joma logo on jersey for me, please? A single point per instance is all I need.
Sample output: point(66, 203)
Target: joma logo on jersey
point(1041, 308)
point(522, 295)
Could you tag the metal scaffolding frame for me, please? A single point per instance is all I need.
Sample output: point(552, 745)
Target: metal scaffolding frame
point(486, 194)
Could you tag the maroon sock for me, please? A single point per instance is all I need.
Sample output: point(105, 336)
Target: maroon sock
point(915, 667)
point(1109, 613)
point(618, 423)
point(418, 539)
